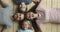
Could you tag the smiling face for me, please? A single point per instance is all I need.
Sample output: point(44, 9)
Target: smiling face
point(31, 15)
point(26, 25)
point(22, 7)
point(19, 16)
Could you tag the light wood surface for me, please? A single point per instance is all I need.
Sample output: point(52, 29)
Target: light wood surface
point(47, 27)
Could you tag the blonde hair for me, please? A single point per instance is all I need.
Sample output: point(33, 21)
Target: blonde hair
point(29, 22)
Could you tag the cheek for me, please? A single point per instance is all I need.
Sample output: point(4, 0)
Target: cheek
point(22, 17)
point(18, 18)
point(26, 25)
point(20, 6)
point(15, 16)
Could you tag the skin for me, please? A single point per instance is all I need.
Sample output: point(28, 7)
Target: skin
point(25, 25)
point(32, 15)
point(19, 16)
point(22, 6)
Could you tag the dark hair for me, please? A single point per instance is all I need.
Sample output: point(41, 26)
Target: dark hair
point(35, 26)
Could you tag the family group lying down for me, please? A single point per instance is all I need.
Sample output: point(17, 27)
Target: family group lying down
point(29, 21)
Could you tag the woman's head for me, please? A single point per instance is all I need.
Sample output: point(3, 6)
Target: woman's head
point(32, 15)
point(22, 7)
point(19, 16)
point(26, 24)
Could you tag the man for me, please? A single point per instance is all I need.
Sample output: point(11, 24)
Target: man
point(5, 13)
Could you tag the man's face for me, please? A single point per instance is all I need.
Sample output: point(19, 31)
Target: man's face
point(31, 15)
point(22, 7)
point(19, 16)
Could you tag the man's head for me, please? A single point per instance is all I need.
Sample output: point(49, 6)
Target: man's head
point(22, 7)
point(32, 15)
point(19, 16)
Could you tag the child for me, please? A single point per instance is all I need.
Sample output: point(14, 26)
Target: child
point(26, 27)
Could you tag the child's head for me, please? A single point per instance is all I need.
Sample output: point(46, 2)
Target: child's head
point(32, 15)
point(18, 16)
point(26, 24)
point(22, 7)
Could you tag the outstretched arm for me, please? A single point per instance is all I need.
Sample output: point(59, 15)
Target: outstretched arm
point(3, 4)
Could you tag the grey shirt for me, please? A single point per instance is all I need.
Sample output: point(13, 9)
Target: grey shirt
point(5, 16)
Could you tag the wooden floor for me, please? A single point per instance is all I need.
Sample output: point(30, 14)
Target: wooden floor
point(47, 27)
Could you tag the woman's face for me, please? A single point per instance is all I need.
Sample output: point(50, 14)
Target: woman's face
point(19, 16)
point(25, 25)
point(31, 15)
point(22, 7)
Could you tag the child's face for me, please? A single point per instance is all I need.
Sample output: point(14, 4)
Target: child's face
point(25, 25)
point(31, 15)
point(23, 6)
point(19, 16)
